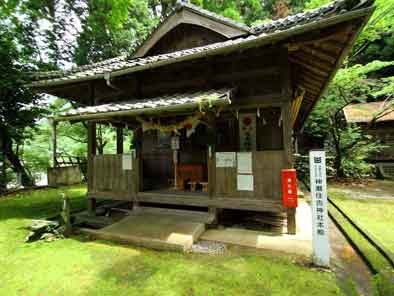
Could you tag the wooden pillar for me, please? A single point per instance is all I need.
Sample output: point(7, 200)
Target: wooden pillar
point(287, 134)
point(54, 143)
point(138, 173)
point(119, 140)
point(286, 91)
point(91, 153)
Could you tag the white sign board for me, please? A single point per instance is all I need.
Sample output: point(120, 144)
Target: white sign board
point(175, 143)
point(321, 245)
point(244, 162)
point(245, 183)
point(127, 162)
point(225, 159)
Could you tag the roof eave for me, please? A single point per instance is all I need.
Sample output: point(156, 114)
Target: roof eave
point(136, 112)
point(365, 12)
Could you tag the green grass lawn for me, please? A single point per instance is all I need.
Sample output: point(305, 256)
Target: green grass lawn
point(377, 217)
point(77, 266)
point(374, 215)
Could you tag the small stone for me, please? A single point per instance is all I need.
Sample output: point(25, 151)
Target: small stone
point(208, 247)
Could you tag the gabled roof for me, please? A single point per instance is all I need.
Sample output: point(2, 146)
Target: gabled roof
point(163, 104)
point(333, 13)
point(186, 13)
point(365, 112)
point(317, 42)
point(217, 17)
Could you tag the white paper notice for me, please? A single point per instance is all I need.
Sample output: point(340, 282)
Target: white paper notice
point(244, 161)
point(225, 159)
point(127, 162)
point(245, 183)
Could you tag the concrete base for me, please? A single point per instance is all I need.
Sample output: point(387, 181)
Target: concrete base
point(158, 230)
point(299, 244)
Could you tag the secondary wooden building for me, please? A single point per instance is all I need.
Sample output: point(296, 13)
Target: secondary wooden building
point(382, 130)
point(212, 105)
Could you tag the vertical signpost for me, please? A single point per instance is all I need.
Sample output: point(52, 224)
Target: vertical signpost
point(321, 247)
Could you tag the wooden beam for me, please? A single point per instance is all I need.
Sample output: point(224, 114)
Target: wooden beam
point(310, 76)
point(308, 87)
point(119, 140)
point(331, 46)
point(315, 84)
point(315, 61)
point(318, 53)
point(309, 67)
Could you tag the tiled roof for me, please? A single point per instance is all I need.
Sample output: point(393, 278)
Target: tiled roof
point(332, 8)
point(166, 103)
point(125, 64)
point(365, 112)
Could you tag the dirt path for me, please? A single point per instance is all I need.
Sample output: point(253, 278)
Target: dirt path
point(348, 265)
point(380, 189)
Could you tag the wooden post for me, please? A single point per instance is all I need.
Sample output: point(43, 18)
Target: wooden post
point(287, 126)
point(119, 140)
point(287, 134)
point(54, 144)
point(138, 173)
point(66, 215)
point(91, 153)
point(291, 221)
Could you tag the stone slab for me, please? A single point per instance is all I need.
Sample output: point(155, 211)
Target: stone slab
point(299, 244)
point(154, 230)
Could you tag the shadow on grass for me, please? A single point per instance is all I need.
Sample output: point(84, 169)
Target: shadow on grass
point(40, 203)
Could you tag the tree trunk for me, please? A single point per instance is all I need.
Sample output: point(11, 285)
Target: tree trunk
point(3, 173)
point(338, 154)
point(14, 160)
point(338, 165)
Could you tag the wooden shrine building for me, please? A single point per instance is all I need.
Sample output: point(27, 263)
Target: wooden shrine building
point(212, 105)
point(382, 130)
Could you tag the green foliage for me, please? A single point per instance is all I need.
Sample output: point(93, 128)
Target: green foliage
point(350, 144)
point(111, 28)
point(377, 39)
point(19, 106)
point(354, 159)
point(250, 12)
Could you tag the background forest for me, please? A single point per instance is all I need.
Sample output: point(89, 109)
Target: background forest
point(41, 35)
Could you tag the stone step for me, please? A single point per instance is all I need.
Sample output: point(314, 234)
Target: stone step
point(166, 231)
point(189, 215)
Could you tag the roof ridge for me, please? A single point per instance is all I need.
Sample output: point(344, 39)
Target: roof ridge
point(326, 9)
point(210, 13)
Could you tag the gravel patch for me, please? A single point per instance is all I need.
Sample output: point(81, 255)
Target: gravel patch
point(208, 247)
